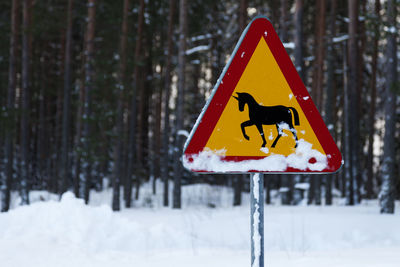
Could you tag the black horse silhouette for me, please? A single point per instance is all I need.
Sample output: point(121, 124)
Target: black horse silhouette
point(267, 115)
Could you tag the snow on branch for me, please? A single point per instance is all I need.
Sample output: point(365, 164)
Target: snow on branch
point(341, 38)
point(391, 29)
point(289, 45)
point(184, 133)
point(201, 37)
point(197, 49)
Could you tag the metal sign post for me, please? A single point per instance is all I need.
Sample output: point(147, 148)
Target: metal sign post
point(257, 219)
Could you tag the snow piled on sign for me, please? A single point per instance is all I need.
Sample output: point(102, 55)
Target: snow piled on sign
point(304, 158)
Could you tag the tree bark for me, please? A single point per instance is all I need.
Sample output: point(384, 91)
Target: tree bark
point(78, 144)
point(87, 127)
point(65, 174)
point(142, 119)
point(318, 78)
point(361, 91)
point(157, 135)
point(268, 188)
point(121, 83)
point(283, 21)
point(178, 171)
point(353, 111)
point(387, 194)
point(167, 85)
point(132, 124)
point(10, 115)
point(347, 182)
point(330, 99)
point(298, 39)
point(243, 14)
point(25, 99)
point(319, 53)
point(311, 190)
point(237, 189)
point(371, 121)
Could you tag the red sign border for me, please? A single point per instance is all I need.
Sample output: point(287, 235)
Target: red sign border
point(201, 132)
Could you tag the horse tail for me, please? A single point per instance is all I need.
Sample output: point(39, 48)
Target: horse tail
point(296, 116)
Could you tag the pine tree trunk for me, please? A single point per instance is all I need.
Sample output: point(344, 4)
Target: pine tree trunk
point(167, 85)
point(157, 139)
point(57, 169)
point(319, 53)
point(243, 14)
point(65, 174)
point(48, 128)
point(361, 91)
point(371, 122)
point(78, 144)
point(311, 190)
point(157, 136)
point(237, 189)
point(387, 194)
point(142, 120)
point(132, 162)
point(178, 171)
point(283, 21)
point(330, 99)
point(25, 99)
point(353, 111)
point(43, 143)
point(348, 178)
point(121, 83)
point(318, 78)
point(298, 39)
point(87, 129)
point(10, 128)
point(268, 188)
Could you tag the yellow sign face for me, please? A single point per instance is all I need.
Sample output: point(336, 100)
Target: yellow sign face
point(260, 116)
point(263, 80)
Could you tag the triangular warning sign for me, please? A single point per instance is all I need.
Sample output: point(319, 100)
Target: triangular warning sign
point(260, 117)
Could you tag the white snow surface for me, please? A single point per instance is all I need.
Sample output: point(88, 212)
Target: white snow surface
point(69, 233)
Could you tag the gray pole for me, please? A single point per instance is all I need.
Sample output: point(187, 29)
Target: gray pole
point(257, 219)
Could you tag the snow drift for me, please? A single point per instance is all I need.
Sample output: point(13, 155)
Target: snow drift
point(69, 233)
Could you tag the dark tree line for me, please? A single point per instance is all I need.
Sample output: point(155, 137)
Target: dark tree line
point(94, 91)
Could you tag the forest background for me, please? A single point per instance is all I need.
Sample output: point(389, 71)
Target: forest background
point(98, 94)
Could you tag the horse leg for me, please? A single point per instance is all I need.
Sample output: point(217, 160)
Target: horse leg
point(260, 129)
point(243, 125)
point(277, 138)
point(294, 132)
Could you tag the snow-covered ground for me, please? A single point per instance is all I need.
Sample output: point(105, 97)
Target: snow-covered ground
point(69, 233)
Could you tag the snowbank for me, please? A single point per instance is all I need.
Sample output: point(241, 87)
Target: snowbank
point(69, 233)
